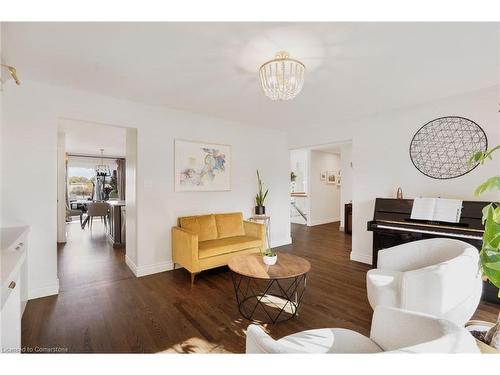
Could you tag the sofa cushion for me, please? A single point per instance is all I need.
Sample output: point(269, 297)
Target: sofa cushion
point(204, 226)
point(229, 225)
point(207, 249)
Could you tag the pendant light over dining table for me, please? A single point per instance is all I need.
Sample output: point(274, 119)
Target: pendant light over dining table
point(282, 78)
point(102, 170)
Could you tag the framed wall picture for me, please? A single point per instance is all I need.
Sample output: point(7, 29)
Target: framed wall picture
point(331, 177)
point(322, 176)
point(200, 166)
point(339, 180)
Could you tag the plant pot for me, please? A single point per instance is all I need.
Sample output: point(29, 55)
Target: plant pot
point(260, 210)
point(479, 325)
point(270, 260)
point(490, 292)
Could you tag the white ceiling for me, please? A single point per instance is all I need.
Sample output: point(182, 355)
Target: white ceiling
point(353, 69)
point(88, 138)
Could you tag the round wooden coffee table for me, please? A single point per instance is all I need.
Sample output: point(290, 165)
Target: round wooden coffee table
point(269, 294)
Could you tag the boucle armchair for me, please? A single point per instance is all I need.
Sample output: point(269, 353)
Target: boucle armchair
point(393, 331)
point(438, 276)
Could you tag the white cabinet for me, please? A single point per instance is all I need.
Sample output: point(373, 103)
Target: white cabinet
point(13, 290)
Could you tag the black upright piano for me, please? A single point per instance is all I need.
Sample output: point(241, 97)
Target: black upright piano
point(392, 225)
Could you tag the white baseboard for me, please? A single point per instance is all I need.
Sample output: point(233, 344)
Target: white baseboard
point(363, 258)
point(149, 269)
point(44, 291)
point(131, 265)
point(312, 223)
point(154, 268)
point(281, 242)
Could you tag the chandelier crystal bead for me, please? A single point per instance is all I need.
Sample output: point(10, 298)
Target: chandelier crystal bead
point(282, 78)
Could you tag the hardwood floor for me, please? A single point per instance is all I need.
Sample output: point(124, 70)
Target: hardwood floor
point(103, 308)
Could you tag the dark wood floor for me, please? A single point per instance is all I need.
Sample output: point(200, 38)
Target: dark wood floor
point(102, 307)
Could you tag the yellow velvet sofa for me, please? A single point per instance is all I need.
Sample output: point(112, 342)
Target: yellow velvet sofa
point(208, 241)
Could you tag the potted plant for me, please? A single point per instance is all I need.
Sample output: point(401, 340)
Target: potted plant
point(260, 209)
point(490, 250)
point(107, 190)
point(269, 257)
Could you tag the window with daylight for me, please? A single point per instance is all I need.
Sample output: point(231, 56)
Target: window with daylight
point(81, 183)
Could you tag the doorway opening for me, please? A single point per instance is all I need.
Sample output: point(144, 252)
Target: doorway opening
point(321, 185)
point(96, 180)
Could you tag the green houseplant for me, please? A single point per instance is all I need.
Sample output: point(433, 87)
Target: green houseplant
point(269, 256)
point(490, 251)
point(260, 209)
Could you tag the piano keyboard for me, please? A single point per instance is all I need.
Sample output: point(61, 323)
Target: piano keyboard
point(447, 234)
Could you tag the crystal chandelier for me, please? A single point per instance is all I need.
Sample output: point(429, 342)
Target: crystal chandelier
point(102, 170)
point(282, 78)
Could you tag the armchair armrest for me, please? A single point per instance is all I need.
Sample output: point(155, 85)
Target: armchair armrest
point(255, 230)
point(259, 342)
point(185, 249)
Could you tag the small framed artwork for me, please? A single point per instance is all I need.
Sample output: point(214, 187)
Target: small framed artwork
point(339, 180)
point(322, 176)
point(331, 177)
point(201, 166)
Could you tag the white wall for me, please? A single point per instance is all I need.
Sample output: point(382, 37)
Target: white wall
point(61, 187)
point(2, 78)
point(324, 198)
point(381, 161)
point(29, 139)
point(346, 181)
point(131, 198)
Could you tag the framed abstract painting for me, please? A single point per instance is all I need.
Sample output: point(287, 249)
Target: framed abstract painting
point(200, 166)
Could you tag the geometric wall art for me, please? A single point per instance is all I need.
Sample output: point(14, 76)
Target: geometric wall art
point(202, 166)
point(442, 148)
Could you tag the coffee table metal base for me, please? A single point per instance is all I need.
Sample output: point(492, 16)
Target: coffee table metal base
point(268, 301)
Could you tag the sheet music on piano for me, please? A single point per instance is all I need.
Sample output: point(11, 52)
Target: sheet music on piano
point(437, 209)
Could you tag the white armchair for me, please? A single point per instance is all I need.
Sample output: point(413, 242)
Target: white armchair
point(393, 330)
point(437, 276)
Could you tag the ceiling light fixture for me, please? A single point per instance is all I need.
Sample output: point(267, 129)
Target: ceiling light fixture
point(102, 170)
point(282, 78)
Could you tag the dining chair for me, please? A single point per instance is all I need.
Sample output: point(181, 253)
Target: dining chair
point(98, 209)
point(73, 212)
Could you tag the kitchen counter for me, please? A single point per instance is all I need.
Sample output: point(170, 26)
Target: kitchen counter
point(13, 249)
point(116, 230)
point(14, 291)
